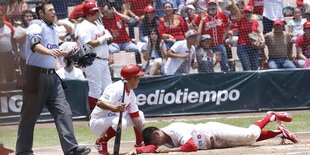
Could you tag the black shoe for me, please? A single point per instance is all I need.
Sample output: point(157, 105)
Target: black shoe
point(80, 150)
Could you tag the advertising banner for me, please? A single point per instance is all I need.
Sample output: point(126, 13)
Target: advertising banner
point(192, 94)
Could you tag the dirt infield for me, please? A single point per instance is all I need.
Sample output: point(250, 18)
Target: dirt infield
point(268, 147)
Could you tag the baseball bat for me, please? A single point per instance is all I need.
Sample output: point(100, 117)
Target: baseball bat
point(118, 135)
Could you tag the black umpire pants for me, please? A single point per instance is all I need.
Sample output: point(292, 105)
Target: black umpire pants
point(43, 87)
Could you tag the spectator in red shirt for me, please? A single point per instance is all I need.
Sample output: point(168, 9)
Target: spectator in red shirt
point(247, 53)
point(303, 46)
point(77, 12)
point(115, 23)
point(135, 10)
point(216, 24)
point(257, 5)
point(171, 27)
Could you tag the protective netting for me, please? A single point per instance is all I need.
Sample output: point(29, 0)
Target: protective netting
point(230, 35)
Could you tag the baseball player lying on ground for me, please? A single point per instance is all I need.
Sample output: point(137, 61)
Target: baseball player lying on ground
point(184, 137)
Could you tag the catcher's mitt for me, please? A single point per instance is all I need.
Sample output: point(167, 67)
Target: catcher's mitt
point(83, 55)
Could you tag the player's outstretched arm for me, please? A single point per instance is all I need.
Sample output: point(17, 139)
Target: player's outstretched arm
point(189, 146)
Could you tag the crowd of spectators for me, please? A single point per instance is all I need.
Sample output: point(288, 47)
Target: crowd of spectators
point(173, 36)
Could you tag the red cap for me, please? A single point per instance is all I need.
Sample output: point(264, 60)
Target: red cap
point(90, 8)
point(278, 22)
point(149, 9)
point(211, 1)
point(247, 8)
point(131, 70)
point(307, 25)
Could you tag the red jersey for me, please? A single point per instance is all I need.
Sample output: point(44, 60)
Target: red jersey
point(214, 26)
point(246, 28)
point(77, 12)
point(177, 27)
point(258, 6)
point(304, 44)
point(234, 23)
point(117, 28)
point(137, 6)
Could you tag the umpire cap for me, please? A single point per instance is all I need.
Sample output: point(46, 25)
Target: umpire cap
point(131, 70)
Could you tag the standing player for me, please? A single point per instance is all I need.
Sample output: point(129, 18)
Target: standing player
point(183, 137)
point(43, 86)
point(91, 32)
point(104, 118)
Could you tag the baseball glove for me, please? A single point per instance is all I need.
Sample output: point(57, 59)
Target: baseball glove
point(83, 55)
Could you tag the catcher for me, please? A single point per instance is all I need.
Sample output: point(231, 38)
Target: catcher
point(183, 137)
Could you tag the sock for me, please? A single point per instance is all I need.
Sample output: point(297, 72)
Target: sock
point(267, 134)
point(108, 135)
point(262, 123)
point(92, 103)
point(139, 138)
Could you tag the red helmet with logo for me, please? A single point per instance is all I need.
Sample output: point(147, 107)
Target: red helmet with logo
point(131, 70)
point(90, 8)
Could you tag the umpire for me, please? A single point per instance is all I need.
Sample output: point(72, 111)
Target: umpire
point(43, 87)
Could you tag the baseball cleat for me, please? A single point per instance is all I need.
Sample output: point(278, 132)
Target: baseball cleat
point(281, 116)
point(287, 134)
point(102, 147)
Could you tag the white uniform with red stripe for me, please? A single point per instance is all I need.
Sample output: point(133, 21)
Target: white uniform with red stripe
point(98, 74)
point(102, 119)
point(211, 135)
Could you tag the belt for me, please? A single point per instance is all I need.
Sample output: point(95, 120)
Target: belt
point(105, 59)
point(42, 70)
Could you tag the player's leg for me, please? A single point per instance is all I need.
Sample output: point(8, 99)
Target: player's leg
point(272, 116)
point(106, 78)
point(94, 82)
point(225, 136)
point(138, 134)
point(105, 129)
point(281, 130)
point(267, 134)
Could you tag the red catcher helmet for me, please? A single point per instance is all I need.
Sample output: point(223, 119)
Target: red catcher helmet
point(90, 8)
point(131, 70)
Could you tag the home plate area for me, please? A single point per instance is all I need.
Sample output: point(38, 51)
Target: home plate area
point(268, 147)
